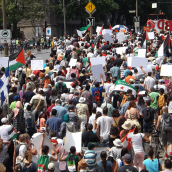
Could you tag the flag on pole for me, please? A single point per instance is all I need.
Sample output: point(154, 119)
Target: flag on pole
point(124, 86)
point(12, 133)
point(151, 25)
point(4, 87)
point(100, 33)
point(144, 45)
point(85, 28)
point(16, 60)
point(163, 48)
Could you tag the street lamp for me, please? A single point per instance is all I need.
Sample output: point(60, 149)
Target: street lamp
point(64, 13)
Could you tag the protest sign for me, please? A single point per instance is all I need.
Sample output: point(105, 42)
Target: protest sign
point(150, 35)
point(166, 70)
point(121, 50)
point(72, 139)
point(147, 69)
point(36, 140)
point(107, 37)
point(96, 71)
point(72, 62)
point(141, 52)
point(98, 60)
point(37, 64)
point(137, 61)
point(4, 62)
point(106, 31)
point(121, 37)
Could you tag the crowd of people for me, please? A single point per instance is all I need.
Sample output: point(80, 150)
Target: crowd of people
point(62, 98)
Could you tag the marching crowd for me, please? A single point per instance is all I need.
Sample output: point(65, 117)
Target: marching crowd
point(62, 98)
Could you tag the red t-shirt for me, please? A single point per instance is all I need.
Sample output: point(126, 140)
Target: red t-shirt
point(49, 110)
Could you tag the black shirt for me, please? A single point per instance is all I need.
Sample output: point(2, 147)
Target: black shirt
point(127, 168)
point(27, 96)
point(89, 136)
point(107, 47)
point(111, 141)
point(11, 97)
point(152, 112)
point(119, 62)
point(109, 66)
point(81, 79)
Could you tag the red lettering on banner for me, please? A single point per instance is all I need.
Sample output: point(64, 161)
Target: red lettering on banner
point(162, 26)
point(168, 25)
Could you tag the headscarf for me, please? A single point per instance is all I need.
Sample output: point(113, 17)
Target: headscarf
point(17, 108)
point(66, 118)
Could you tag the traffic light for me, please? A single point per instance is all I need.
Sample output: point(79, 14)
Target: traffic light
point(43, 29)
point(46, 24)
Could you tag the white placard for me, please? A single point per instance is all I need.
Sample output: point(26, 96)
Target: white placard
point(4, 62)
point(72, 62)
point(37, 138)
point(98, 60)
point(141, 52)
point(121, 37)
point(98, 29)
point(106, 31)
point(37, 64)
point(147, 69)
point(137, 61)
point(73, 139)
point(120, 50)
point(166, 70)
point(150, 35)
point(96, 71)
point(107, 37)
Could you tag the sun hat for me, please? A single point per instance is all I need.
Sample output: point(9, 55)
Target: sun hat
point(117, 142)
point(82, 100)
point(19, 159)
point(127, 125)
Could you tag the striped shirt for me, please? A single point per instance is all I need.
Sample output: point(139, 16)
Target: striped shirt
point(90, 157)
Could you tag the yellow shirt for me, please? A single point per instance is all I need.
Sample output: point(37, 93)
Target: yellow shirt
point(29, 72)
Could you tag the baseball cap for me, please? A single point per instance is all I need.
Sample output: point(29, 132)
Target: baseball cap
point(51, 166)
point(16, 97)
point(165, 55)
point(127, 157)
point(91, 145)
point(161, 81)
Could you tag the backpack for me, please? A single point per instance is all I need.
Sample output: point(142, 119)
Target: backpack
point(115, 96)
point(42, 163)
point(20, 78)
point(161, 101)
point(166, 122)
point(124, 100)
point(147, 115)
point(60, 88)
point(71, 164)
point(52, 45)
point(96, 95)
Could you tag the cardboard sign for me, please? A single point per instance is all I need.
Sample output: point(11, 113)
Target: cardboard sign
point(151, 35)
point(107, 37)
point(166, 70)
point(98, 60)
point(37, 64)
point(142, 53)
point(106, 31)
point(96, 71)
point(73, 139)
point(72, 62)
point(4, 62)
point(137, 61)
point(120, 50)
point(121, 37)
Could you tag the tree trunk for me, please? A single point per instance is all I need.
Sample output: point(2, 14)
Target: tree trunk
point(15, 31)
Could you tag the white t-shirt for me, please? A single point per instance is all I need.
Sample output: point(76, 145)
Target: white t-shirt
point(99, 109)
point(149, 82)
point(4, 129)
point(170, 107)
point(105, 123)
point(136, 141)
point(161, 86)
point(92, 118)
point(107, 87)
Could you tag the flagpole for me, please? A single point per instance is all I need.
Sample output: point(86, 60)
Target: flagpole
point(91, 28)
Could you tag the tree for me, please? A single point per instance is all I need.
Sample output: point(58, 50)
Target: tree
point(75, 11)
point(30, 10)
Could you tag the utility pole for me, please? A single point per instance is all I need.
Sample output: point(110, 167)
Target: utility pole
point(91, 28)
point(137, 28)
point(64, 13)
point(4, 26)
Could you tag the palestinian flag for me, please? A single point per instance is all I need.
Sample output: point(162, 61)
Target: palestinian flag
point(12, 133)
point(151, 25)
point(86, 28)
point(92, 46)
point(16, 60)
point(144, 45)
point(136, 50)
point(101, 31)
point(164, 47)
point(124, 86)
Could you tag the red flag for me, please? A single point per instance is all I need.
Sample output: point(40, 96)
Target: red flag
point(100, 33)
point(21, 58)
point(151, 24)
point(130, 33)
point(110, 27)
point(92, 46)
point(99, 44)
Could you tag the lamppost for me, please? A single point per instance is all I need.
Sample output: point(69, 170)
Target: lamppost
point(64, 12)
point(4, 26)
